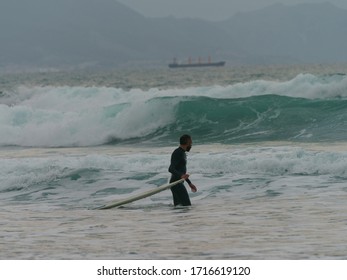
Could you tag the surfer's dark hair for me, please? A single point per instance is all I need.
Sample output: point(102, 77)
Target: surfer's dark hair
point(184, 139)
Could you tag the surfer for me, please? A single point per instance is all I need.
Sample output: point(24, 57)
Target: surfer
point(178, 170)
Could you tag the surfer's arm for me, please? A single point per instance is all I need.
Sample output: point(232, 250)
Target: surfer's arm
point(176, 158)
point(178, 174)
point(191, 185)
point(175, 161)
point(188, 181)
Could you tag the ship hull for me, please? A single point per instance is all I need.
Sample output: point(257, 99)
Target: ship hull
point(212, 64)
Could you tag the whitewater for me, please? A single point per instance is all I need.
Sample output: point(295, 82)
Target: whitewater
point(269, 159)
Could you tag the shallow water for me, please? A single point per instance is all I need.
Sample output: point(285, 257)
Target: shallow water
point(249, 214)
point(266, 228)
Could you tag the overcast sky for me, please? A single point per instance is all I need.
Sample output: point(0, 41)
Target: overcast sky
point(209, 9)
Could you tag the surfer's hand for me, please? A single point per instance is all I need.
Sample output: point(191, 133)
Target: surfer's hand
point(193, 188)
point(185, 176)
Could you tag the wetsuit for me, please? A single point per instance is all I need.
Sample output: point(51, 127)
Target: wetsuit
point(178, 167)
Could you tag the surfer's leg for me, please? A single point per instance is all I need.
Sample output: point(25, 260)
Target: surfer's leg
point(180, 195)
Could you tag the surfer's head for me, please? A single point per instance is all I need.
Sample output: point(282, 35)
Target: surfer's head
point(186, 142)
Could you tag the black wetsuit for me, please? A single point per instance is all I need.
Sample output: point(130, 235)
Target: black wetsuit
point(178, 167)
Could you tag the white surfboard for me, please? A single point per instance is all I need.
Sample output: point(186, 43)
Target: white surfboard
point(139, 196)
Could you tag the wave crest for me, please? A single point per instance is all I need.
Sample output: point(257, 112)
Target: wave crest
point(305, 108)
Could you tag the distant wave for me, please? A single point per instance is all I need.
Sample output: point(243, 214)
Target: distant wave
point(307, 108)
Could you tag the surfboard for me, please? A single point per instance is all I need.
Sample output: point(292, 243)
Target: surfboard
point(139, 196)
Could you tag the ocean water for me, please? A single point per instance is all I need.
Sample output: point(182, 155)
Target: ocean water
point(269, 159)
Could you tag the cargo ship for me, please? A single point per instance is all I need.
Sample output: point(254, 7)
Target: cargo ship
point(200, 63)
